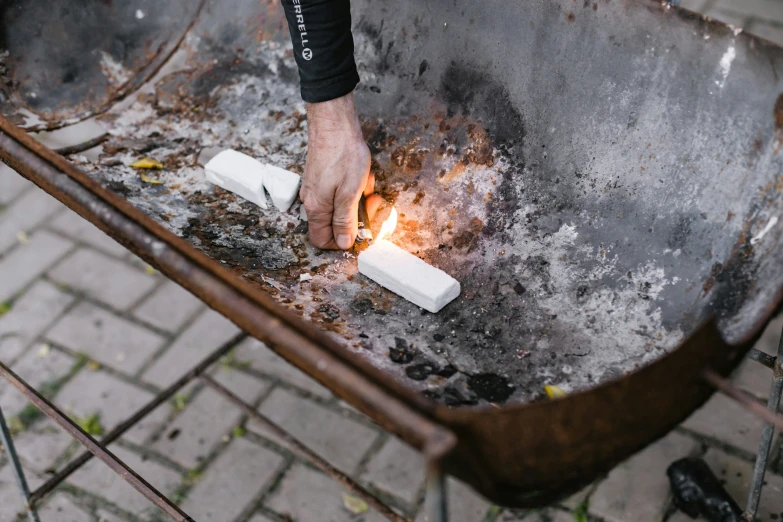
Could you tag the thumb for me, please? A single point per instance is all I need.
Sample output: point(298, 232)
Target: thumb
point(345, 218)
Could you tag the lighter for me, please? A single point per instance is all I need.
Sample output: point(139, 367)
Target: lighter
point(365, 234)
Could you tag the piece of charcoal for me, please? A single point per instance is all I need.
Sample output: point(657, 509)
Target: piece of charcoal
point(420, 371)
point(401, 353)
point(447, 371)
point(698, 492)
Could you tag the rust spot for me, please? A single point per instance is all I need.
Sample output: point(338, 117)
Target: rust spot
point(419, 197)
point(570, 17)
point(398, 156)
point(413, 161)
point(454, 173)
point(708, 284)
point(411, 225)
point(779, 113)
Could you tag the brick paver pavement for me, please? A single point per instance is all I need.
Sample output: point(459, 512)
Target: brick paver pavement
point(99, 333)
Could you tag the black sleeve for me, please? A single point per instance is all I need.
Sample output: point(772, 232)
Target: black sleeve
point(323, 47)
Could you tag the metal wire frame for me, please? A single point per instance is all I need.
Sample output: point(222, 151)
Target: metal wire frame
point(436, 484)
point(99, 449)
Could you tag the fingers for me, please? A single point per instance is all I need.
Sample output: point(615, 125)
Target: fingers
point(345, 217)
point(319, 223)
point(374, 202)
point(369, 188)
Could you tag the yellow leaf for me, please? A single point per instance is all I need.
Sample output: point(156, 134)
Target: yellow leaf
point(147, 163)
point(22, 237)
point(355, 505)
point(43, 351)
point(554, 392)
point(93, 366)
point(150, 270)
point(147, 179)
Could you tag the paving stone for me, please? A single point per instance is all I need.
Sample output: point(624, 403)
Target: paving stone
point(737, 20)
point(11, 184)
point(306, 495)
point(103, 278)
point(113, 400)
point(269, 363)
point(576, 499)
point(40, 446)
point(694, 5)
point(24, 214)
point(26, 262)
point(260, 518)
point(169, 307)
point(763, 9)
point(206, 334)
point(397, 469)
point(10, 500)
point(768, 342)
point(723, 419)
point(205, 421)
point(465, 505)
point(638, 489)
point(106, 516)
point(340, 440)
point(110, 340)
point(99, 479)
point(234, 480)
point(37, 371)
point(62, 508)
point(773, 33)
point(754, 378)
point(35, 310)
point(73, 225)
point(544, 515)
point(736, 474)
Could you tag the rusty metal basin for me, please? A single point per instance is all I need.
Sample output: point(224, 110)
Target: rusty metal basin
point(603, 178)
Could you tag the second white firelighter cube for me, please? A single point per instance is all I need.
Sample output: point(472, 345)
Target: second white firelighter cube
point(247, 177)
point(408, 276)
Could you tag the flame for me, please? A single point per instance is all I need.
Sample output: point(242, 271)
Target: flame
point(388, 226)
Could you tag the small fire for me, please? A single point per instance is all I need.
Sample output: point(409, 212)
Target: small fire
point(388, 226)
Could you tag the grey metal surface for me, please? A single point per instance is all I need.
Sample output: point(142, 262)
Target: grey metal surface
point(61, 60)
point(592, 173)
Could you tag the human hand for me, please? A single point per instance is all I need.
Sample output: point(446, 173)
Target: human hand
point(337, 173)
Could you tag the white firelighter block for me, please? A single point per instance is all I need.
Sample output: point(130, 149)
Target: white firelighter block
point(238, 173)
point(282, 185)
point(247, 177)
point(408, 276)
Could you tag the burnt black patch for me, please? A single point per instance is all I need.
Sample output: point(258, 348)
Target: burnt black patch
point(491, 387)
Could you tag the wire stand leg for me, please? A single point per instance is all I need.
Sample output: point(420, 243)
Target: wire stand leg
point(21, 481)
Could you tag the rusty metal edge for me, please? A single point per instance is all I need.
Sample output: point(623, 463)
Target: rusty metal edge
point(125, 89)
point(396, 409)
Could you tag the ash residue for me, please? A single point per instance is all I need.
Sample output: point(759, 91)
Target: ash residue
point(567, 271)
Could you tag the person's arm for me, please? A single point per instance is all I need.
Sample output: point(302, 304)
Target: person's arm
point(337, 169)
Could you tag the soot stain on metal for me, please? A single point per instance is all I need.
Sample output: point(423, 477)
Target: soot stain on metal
point(554, 290)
